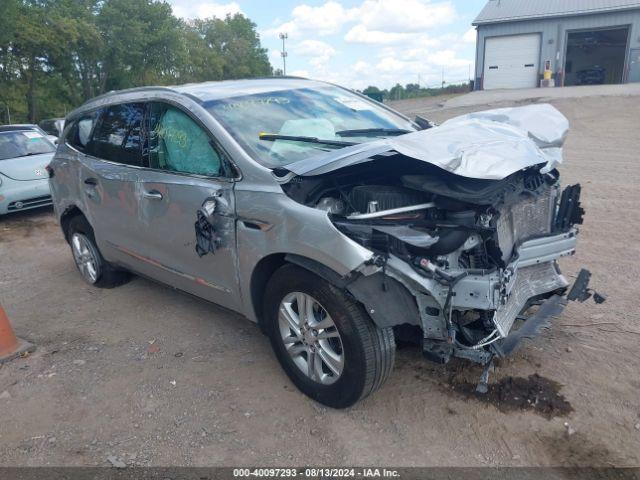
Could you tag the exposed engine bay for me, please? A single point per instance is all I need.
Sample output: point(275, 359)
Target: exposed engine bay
point(476, 254)
point(435, 220)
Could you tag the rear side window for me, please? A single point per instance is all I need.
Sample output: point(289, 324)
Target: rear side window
point(117, 135)
point(178, 144)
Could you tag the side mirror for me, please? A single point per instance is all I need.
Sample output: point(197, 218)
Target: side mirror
point(424, 123)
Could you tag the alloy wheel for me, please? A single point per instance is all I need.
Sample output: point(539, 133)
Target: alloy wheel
point(85, 257)
point(311, 338)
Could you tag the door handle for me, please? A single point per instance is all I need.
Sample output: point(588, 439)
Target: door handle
point(90, 188)
point(152, 195)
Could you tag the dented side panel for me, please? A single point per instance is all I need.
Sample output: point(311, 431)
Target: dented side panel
point(196, 218)
point(269, 223)
point(145, 220)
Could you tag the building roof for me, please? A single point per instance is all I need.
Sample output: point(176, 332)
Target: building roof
point(496, 11)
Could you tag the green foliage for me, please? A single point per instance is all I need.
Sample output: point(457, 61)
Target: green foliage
point(371, 89)
point(413, 90)
point(56, 54)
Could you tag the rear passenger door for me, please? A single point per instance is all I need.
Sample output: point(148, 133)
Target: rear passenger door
point(111, 140)
point(186, 216)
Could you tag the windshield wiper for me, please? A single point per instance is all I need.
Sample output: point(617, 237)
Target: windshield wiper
point(295, 138)
point(30, 154)
point(363, 132)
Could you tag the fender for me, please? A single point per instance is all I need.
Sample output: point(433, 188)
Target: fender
point(385, 299)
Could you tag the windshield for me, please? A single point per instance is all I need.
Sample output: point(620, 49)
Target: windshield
point(23, 143)
point(326, 113)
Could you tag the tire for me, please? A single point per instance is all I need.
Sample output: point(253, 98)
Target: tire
point(367, 351)
point(103, 274)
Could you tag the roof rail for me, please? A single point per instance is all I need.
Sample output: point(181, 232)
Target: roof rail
point(129, 90)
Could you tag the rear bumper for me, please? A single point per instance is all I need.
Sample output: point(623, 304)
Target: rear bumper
point(18, 195)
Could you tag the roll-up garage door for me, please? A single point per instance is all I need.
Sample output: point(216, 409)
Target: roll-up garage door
point(512, 61)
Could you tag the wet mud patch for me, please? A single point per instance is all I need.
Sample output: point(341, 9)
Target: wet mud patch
point(578, 450)
point(16, 226)
point(458, 378)
point(534, 393)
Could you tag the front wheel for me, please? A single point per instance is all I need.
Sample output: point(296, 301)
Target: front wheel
point(324, 340)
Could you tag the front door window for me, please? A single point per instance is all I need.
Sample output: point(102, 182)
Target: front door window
point(178, 144)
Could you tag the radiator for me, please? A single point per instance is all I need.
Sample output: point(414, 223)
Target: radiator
point(529, 218)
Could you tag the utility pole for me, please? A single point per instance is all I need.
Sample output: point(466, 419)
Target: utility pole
point(442, 78)
point(283, 53)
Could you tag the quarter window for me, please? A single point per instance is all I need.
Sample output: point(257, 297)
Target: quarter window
point(117, 136)
point(80, 132)
point(178, 144)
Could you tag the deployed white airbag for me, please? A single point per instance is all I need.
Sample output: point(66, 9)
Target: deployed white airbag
point(488, 145)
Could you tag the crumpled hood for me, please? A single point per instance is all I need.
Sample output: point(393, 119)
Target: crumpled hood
point(26, 168)
point(487, 145)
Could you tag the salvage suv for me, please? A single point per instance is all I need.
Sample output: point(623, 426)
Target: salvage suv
point(333, 221)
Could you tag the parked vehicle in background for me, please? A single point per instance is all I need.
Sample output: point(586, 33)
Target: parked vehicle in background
point(594, 75)
point(52, 126)
point(333, 221)
point(25, 152)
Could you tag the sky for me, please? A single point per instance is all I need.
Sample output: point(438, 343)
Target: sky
point(357, 43)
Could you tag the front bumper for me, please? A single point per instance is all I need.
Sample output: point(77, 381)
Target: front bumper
point(531, 277)
point(18, 195)
point(532, 273)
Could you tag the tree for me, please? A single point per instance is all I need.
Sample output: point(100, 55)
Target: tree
point(79, 62)
point(142, 43)
point(9, 15)
point(396, 92)
point(27, 52)
point(237, 43)
point(371, 89)
point(412, 88)
point(56, 54)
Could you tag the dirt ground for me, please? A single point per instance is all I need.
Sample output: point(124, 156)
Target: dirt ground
point(150, 376)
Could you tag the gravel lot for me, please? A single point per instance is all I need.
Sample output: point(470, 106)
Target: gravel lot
point(152, 376)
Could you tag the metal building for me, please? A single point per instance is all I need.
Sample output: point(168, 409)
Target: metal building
point(577, 42)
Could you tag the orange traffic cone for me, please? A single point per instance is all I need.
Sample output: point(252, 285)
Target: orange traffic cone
point(10, 345)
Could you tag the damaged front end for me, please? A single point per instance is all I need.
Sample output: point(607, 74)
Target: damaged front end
point(469, 260)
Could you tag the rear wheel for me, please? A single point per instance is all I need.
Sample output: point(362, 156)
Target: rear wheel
point(93, 268)
point(324, 340)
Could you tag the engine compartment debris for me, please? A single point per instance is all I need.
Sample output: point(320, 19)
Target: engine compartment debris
point(473, 236)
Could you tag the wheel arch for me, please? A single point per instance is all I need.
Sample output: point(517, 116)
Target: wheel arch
point(266, 267)
point(69, 213)
point(387, 301)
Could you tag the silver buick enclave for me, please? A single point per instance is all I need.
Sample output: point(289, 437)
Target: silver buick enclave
point(334, 222)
